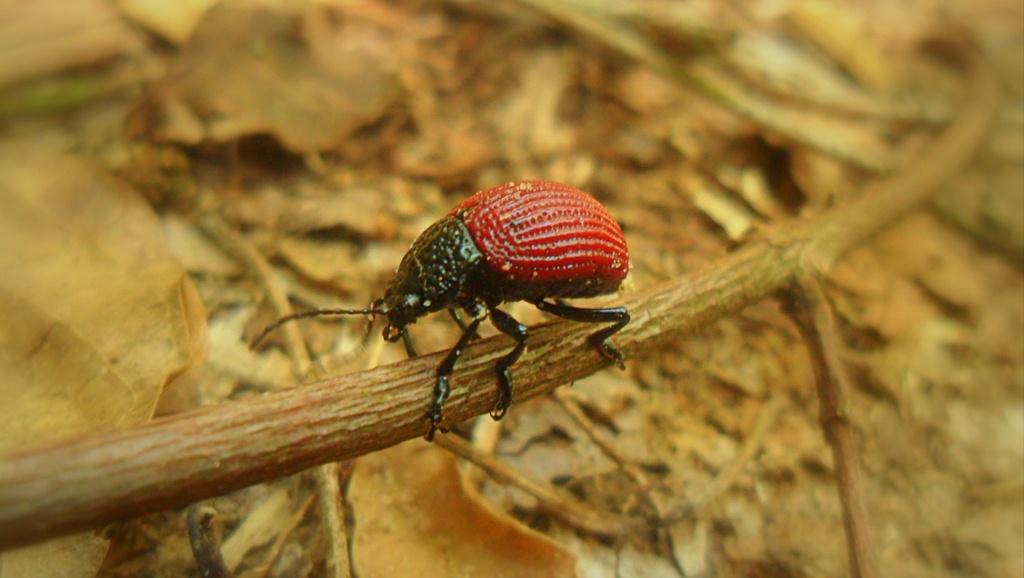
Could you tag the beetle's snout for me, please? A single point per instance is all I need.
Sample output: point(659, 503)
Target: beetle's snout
point(402, 312)
point(392, 333)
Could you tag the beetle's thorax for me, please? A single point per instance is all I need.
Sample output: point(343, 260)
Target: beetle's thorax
point(432, 275)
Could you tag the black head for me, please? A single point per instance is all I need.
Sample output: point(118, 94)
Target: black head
point(431, 277)
point(404, 300)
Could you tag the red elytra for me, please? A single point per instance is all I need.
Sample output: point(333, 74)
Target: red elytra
point(549, 233)
point(534, 241)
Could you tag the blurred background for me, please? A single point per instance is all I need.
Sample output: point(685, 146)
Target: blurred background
point(160, 161)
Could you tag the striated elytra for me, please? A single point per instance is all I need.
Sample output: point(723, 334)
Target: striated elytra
point(534, 241)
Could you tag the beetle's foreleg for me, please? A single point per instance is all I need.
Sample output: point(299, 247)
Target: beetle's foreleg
point(618, 316)
point(436, 412)
point(516, 330)
point(410, 349)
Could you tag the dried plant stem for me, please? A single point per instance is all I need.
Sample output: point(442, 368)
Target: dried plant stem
point(333, 515)
point(556, 502)
point(713, 79)
point(243, 252)
point(727, 477)
point(806, 304)
point(275, 548)
point(84, 483)
point(205, 542)
point(568, 401)
point(331, 510)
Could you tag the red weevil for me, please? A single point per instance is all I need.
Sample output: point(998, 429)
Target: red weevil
point(533, 241)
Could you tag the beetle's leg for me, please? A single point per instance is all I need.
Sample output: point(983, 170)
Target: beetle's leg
point(458, 321)
point(616, 315)
point(410, 349)
point(436, 412)
point(516, 330)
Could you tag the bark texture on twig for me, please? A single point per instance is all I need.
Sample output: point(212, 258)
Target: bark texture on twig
point(806, 304)
point(85, 483)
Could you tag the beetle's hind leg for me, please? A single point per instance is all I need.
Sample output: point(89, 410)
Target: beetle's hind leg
point(617, 316)
point(516, 330)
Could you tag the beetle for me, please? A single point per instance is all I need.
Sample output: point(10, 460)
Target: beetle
point(534, 241)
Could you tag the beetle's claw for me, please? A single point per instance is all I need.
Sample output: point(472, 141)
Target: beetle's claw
point(435, 417)
point(498, 412)
point(608, 349)
point(502, 404)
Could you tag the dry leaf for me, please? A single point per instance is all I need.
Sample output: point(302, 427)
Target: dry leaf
point(252, 68)
point(937, 256)
point(691, 546)
point(95, 276)
point(413, 518)
point(172, 19)
point(194, 250)
point(321, 261)
point(636, 563)
point(360, 210)
point(593, 558)
point(529, 122)
point(845, 32)
point(261, 525)
point(95, 317)
point(57, 381)
point(448, 146)
point(821, 178)
point(989, 203)
point(77, 556)
point(862, 141)
point(730, 214)
point(647, 92)
point(903, 308)
point(230, 354)
point(44, 37)
point(794, 72)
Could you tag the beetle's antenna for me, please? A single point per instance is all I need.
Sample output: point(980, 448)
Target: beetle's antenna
point(310, 313)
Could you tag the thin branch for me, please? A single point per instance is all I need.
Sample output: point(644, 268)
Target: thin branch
point(725, 479)
point(274, 551)
point(570, 404)
point(806, 304)
point(555, 501)
point(326, 475)
point(709, 76)
point(84, 483)
point(332, 512)
point(205, 542)
point(243, 251)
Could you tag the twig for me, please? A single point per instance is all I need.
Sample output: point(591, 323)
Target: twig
point(275, 548)
point(635, 473)
point(806, 304)
point(333, 514)
point(205, 542)
point(331, 511)
point(711, 78)
point(83, 483)
point(727, 477)
point(558, 503)
point(241, 250)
